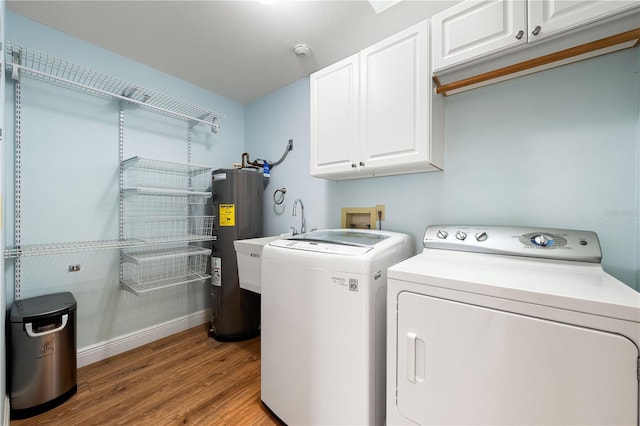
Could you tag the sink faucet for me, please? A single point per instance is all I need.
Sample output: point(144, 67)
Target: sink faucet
point(303, 225)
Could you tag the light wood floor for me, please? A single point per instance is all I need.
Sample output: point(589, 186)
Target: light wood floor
point(184, 379)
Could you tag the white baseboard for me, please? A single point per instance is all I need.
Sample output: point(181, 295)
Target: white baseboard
point(103, 350)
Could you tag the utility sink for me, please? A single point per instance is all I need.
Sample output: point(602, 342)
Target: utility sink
point(249, 256)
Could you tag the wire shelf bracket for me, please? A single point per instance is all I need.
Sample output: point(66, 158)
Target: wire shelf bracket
point(41, 66)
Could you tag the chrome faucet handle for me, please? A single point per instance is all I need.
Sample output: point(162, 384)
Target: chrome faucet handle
point(294, 231)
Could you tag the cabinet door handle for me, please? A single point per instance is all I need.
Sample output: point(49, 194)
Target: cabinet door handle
point(362, 164)
point(520, 35)
point(353, 165)
point(536, 30)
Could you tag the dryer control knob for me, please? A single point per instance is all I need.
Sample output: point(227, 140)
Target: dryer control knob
point(461, 235)
point(542, 240)
point(481, 236)
point(442, 234)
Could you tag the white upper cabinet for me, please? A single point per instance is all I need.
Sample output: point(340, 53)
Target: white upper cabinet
point(476, 29)
point(394, 89)
point(550, 17)
point(472, 29)
point(372, 113)
point(335, 114)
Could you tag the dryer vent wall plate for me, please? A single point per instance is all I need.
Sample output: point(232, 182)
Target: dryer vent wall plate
point(359, 217)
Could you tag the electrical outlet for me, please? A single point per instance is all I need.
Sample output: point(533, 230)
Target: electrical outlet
point(380, 207)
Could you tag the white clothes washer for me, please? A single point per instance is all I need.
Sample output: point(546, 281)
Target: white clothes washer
point(323, 320)
point(511, 325)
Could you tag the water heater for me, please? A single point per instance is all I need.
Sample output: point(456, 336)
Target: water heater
point(237, 207)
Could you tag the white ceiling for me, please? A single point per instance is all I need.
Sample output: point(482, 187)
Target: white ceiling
point(241, 50)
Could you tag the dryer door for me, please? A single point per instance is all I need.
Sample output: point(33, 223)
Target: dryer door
point(465, 364)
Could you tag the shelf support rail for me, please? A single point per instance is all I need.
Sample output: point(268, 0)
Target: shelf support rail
point(17, 224)
point(189, 181)
point(121, 183)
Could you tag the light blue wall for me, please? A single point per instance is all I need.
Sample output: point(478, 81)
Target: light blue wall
point(70, 180)
point(554, 149)
point(270, 122)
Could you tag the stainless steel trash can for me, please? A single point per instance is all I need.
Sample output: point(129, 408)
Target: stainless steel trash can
point(42, 360)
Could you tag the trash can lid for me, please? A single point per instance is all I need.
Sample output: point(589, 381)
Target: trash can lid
point(42, 306)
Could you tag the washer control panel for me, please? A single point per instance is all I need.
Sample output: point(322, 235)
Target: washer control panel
point(549, 243)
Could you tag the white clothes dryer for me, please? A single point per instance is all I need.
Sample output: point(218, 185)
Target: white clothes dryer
point(323, 325)
point(509, 325)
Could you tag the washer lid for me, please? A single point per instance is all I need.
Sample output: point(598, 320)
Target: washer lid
point(335, 241)
point(343, 236)
point(322, 246)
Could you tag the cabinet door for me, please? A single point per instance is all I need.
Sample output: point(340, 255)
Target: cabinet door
point(473, 29)
point(465, 364)
point(556, 16)
point(394, 100)
point(334, 117)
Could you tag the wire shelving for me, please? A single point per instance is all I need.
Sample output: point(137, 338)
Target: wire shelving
point(146, 270)
point(165, 175)
point(153, 187)
point(147, 187)
point(31, 63)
